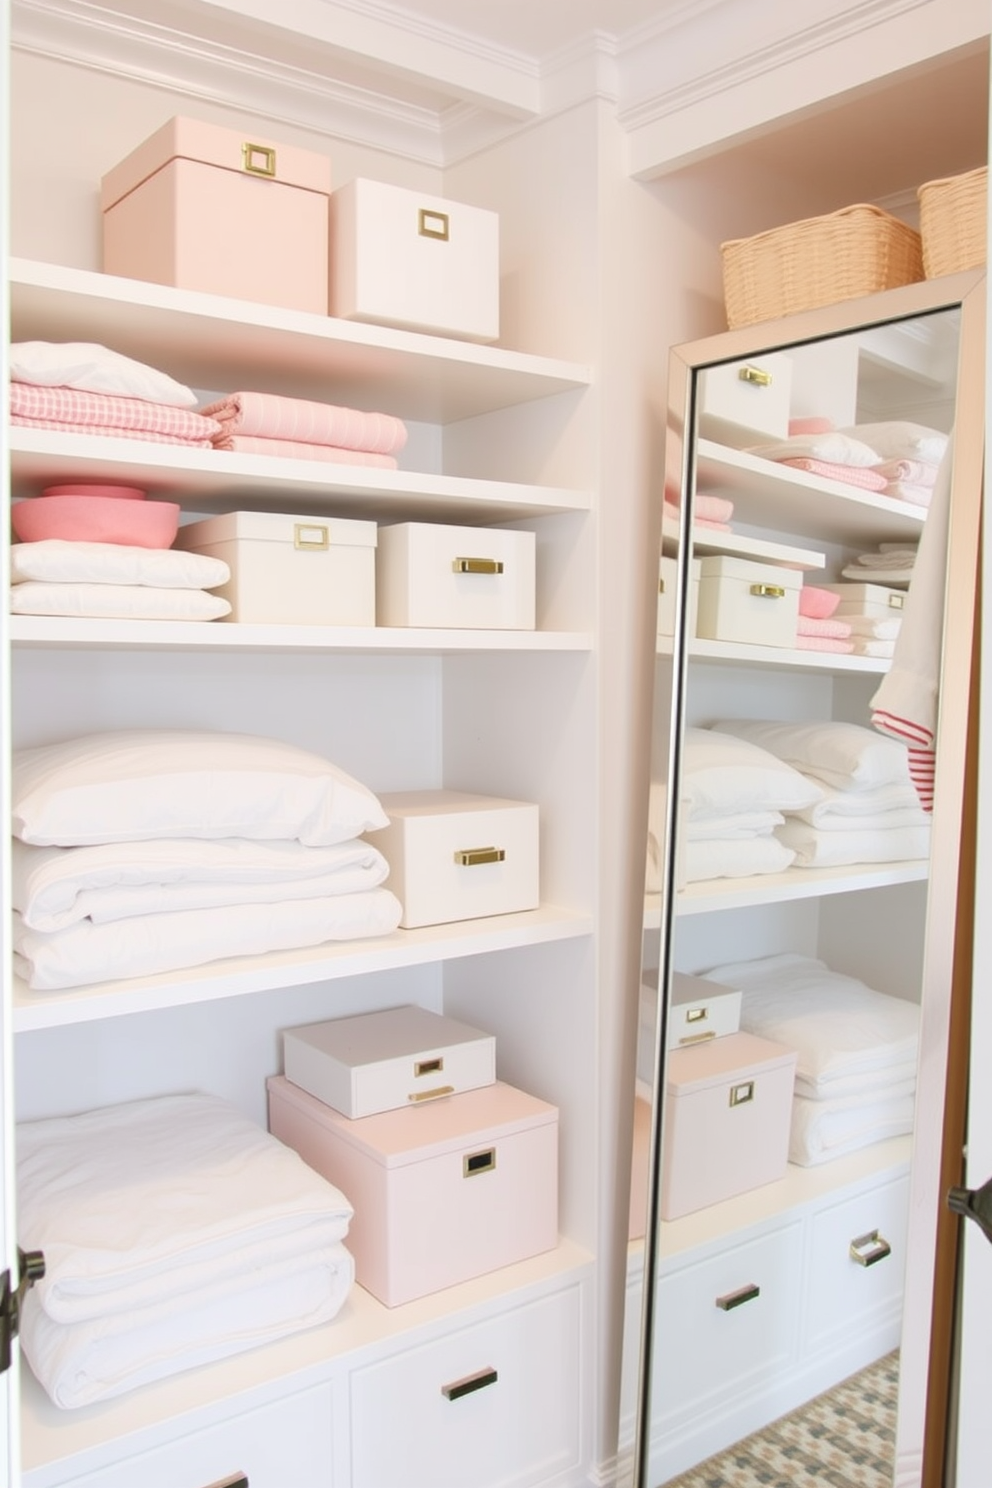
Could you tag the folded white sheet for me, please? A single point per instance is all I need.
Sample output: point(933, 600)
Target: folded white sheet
point(738, 858)
point(724, 773)
point(822, 1130)
point(134, 1202)
point(872, 629)
point(893, 578)
point(116, 602)
point(57, 562)
point(886, 806)
point(736, 826)
point(83, 1362)
point(846, 755)
point(815, 848)
point(840, 1027)
point(53, 887)
point(146, 944)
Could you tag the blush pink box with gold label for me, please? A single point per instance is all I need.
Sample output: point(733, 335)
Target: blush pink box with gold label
point(206, 208)
point(442, 1192)
point(728, 1107)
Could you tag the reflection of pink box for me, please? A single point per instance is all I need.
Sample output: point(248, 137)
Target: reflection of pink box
point(442, 1192)
point(205, 208)
point(728, 1107)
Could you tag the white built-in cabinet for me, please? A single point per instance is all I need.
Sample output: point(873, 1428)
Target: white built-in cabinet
point(358, 1403)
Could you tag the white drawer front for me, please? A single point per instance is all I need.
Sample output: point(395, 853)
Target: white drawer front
point(521, 1425)
point(706, 1351)
point(746, 402)
point(847, 1295)
point(284, 1445)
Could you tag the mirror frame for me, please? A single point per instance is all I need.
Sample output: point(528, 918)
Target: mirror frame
point(928, 1296)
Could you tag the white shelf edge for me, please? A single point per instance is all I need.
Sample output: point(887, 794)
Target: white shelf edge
point(776, 473)
point(786, 555)
point(245, 976)
point(714, 894)
point(805, 661)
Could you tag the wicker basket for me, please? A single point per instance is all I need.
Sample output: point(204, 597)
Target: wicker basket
point(856, 251)
point(953, 223)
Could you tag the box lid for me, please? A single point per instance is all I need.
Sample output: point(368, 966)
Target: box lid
point(246, 154)
point(305, 532)
point(687, 988)
point(390, 1033)
point(723, 565)
point(414, 1134)
point(722, 1060)
point(441, 803)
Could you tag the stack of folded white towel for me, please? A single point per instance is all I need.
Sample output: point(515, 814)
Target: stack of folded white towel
point(866, 810)
point(895, 457)
point(175, 1232)
point(890, 564)
point(145, 851)
point(908, 455)
point(857, 1051)
point(113, 581)
point(829, 622)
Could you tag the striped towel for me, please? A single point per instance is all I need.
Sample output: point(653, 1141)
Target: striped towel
point(269, 416)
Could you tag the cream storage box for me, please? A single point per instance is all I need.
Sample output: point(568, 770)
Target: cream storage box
point(877, 601)
point(742, 403)
point(728, 1108)
point(753, 603)
point(442, 1192)
point(206, 208)
point(457, 856)
point(385, 1060)
point(699, 1009)
point(668, 594)
point(403, 258)
point(458, 578)
point(290, 570)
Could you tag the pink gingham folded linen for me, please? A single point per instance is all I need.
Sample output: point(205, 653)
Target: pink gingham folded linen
point(294, 449)
point(269, 416)
point(850, 475)
point(837, 630)
point(84, 412)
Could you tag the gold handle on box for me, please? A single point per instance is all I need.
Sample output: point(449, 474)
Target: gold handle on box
point(741, 1094)
point(258, 160)
point(477, 565)
point(432, 224)
point(423, 1067)
point(743, 1294)
point(475, 1163)
point(768, 591)
point(698, 1038)
point(695, 1015)
point(429, 1095)
point(469, 1384)
point(869, 1249)
point(756, 376)
point(311, 536)
point(471, 857)
point(897, 601)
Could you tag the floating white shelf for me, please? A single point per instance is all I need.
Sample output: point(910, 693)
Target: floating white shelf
point(794, 883)
point(706, 540)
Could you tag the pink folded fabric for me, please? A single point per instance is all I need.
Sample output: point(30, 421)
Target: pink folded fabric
point(905, 491)
point(816, 603)
point(291, 449)
point(837, 630)
point(107, 412)
point(706, 508)
point(851, 475)
point(810, 425)
point(269, 416)
point(106, 432)
point(917, 472)
point(673, 515)
point(823, 643)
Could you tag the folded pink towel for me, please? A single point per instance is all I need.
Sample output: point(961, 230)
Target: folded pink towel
point(269, 416)
point(810, 426)
point(107, 413)
point(850, 475)
point(906, 491)
point(290, 449)
point(707, 508)
point(109, 432)
point(816, 603)
point(918, 472)
point(672, 514)
point(823, 643)
point(837, 630)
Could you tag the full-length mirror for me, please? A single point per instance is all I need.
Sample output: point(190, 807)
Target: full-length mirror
point(815, 629)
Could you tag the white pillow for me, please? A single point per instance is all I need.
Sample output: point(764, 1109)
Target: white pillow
point(85, 364)
point(116, 602)
point(723, 775)
point(844, 755)
point(55, 562)
point(837, 447)
point(135, 784)
point(900, 439)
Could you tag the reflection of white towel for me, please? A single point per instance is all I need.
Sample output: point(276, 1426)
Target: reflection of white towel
point(736, 826)
point(822, 1130)
point(815, 848)
point(886, 806)
point(739, 858)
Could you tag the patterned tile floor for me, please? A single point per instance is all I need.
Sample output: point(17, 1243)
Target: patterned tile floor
point(843, 1439)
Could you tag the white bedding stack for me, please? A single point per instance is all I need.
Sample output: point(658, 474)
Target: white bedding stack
point(111, 581)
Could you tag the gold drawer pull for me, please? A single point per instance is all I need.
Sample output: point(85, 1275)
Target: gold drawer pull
point(475, 1163)
point(477, 565)
point(428, 1066)
point(469, 1384)
point(471, 857)
point(869, 1249)
point(698, 1038)
point(743, 1294)
point(696, 1015)
point(432, 224)
point(429, 1095)
point(258, 160)
point(755, 376)
point(311, 535)
point(897, 601)
point(661, 586)
point(768, 591)
point(741, 1094)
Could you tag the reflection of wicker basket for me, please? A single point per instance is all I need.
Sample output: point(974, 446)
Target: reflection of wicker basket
point(953, 223)
point(856, 251)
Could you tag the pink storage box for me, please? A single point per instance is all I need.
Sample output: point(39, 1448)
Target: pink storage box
point(205, 208)
point(728, 1107)
point(442, 1192)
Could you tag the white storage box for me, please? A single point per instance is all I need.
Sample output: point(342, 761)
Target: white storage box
point(290, 570)
point(403, 258)
point(667, 591)
point(745, 403)
point(457, 578)
point(699, 1009)
point(205, 208)
point(875, 600)
point(385, 1060)
point(442, 1192)
point(728, 1108)
point(457, 856)
point(740, 600)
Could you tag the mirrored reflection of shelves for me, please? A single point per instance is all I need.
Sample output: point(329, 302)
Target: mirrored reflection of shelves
point(707, 540)
point(719, 653)
point(711, 896)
